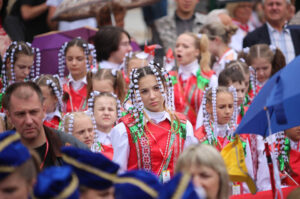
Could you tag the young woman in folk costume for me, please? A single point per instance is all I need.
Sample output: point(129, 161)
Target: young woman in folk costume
point(266, 60)
point(18, 63)
point(75, 56)
point(192, 77)
point(106, 109)
point(220, 113)
point(52, 93)
point(219, 38)
point(151, 136)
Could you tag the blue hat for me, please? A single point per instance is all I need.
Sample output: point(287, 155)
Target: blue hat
point(12, 153)
point(56, 182)
point(137, 184)
point(94, 170)
point(180, 187)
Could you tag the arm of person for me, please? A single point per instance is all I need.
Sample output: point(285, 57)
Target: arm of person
point(121, 146)
point(30, 12)
point(53, 25)
point(190, 138)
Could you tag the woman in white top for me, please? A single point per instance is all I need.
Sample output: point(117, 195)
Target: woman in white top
point(151, 136)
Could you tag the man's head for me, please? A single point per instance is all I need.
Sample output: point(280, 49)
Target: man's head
point(276, 11)
point(186, 7)
point(23, 104)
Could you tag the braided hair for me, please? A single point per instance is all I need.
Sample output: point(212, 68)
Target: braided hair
point(63, 51)
point(210, 95)
point(53, 82)
point(11, 55)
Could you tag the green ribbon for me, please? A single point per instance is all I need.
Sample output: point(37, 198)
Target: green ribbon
point(174, 80)
point(202, 82)
point(1, 97)
point(286, 148)
point(242, 110)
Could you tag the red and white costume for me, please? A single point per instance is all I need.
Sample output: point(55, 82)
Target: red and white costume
point(53, 119)
point(103, 144)
point(188, 96)
point(155, 148)
point(77, 91)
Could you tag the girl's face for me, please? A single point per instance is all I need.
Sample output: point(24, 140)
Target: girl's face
point(240, 91)
point(224, 107)
point(76, 62)
point(247, 81)
point(207, 178)
point(105, 85)
point(185, 50)
point(50, 100)
point(83, 130)
point(124, 48)
point(293, 133)
point(22, 67)
point(263, 69)
point(15, 187)
point(150, 94)
point(105, 112)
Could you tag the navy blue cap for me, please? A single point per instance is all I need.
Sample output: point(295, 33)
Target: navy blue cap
point(94, 170)
point(12, 153)
point(180, 187)
point(57, 182)
point(137, 184)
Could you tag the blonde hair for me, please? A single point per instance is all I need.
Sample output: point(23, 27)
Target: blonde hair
point(103, 74)
point(205, 155)
point(69, 119)
point(204, 55)
point(216, 29)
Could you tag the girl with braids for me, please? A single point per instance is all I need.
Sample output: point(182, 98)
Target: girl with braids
point(75, 56)
point(219, 38)
point(151, 136)
point(82, 126)
point(106, 109)
point(18, 63)
point(266, 60)
point(220, 113)
point(106, 80)
point(52, 93)
point(193, 76)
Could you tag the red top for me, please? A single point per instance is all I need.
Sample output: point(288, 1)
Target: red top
point(156, 150)
point(188, 96)
point(54, 123)
point(77, 99)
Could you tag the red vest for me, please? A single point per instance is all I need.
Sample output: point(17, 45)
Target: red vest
point(77, 99)
point(107, 151)
point(188, 96)
point(295, 165)
point(153, 151)
point(54, 123)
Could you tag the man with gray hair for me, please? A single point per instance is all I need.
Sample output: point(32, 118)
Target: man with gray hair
point(23, 105)
point(274, 31)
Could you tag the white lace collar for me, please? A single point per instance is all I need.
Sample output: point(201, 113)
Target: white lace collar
point(157, 117)
point(190, 69)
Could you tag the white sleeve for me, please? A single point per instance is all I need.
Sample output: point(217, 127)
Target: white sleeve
point(119, 139)
point(199, 121)
point(190, 138)
point(263, 174)
point(213, 81)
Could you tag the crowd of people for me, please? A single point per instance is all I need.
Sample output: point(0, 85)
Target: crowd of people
point(118, 123)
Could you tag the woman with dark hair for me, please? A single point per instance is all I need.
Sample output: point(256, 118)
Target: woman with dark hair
point(151, 136)
point(112, 44)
